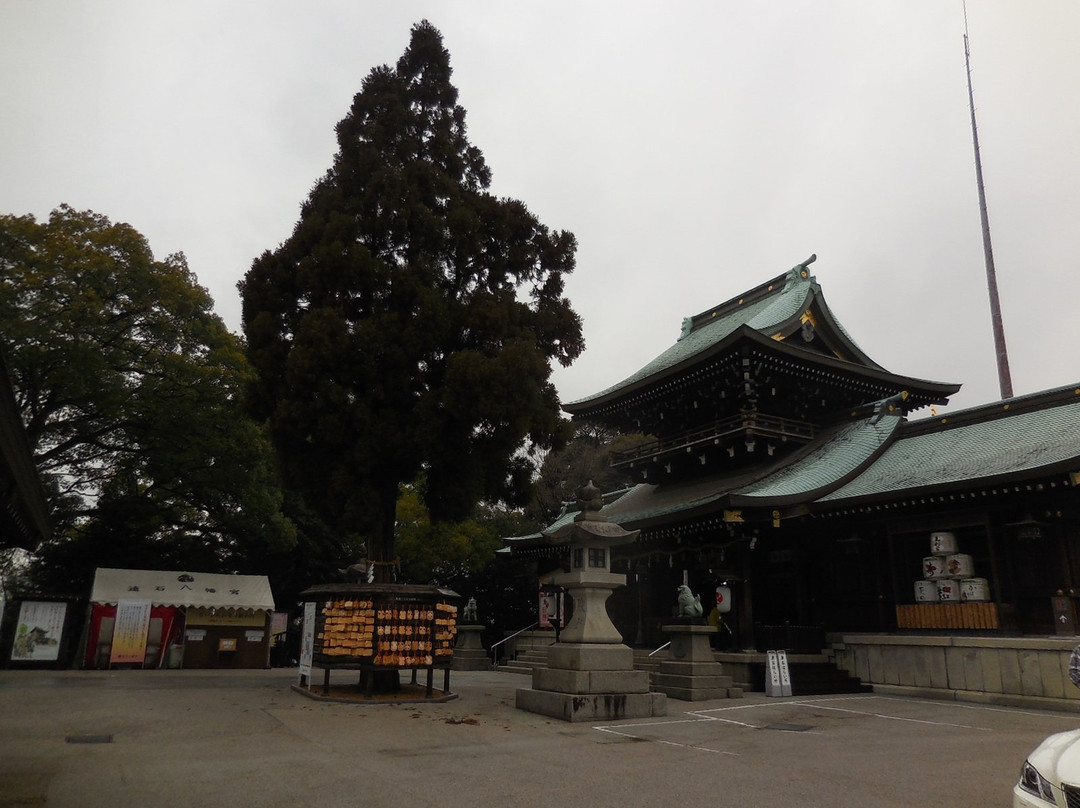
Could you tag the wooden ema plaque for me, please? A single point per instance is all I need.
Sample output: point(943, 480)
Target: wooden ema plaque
point(386, 633)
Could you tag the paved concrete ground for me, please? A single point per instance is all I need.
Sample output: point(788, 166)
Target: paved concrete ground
point(243, 738)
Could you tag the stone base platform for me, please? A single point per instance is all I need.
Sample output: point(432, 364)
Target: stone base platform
point(592, 706)
point(469, 653)
point(591, 682)
point(470, 660)
point(695, 681)
point(692, 673)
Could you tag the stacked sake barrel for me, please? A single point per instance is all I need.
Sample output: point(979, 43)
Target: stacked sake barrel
point(949, 575)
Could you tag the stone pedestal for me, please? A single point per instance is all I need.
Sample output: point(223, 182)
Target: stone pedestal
point(469, 653)
point(591, 682)
point(691, 673)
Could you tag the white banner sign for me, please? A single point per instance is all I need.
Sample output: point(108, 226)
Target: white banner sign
point(129, 633)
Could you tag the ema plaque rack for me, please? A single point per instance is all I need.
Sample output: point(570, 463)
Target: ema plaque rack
point(376, 628)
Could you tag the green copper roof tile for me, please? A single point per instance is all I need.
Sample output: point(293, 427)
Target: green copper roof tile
point(849, 449)
point(764, 314)
point(968, 452)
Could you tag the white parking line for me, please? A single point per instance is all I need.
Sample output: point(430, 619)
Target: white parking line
point(612, 731)
point(713, 714)
point(897, 717)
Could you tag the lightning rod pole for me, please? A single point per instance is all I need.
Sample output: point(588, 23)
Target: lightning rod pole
point(1004, 377)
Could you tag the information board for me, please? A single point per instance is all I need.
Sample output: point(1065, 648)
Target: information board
point(37, 634)
point(129, 632)
point(307, 639)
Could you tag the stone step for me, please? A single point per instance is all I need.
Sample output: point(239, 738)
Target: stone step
point(808, 679)
point(510, 667)
point(815, 679)
point(533, 655)
point(525, 661)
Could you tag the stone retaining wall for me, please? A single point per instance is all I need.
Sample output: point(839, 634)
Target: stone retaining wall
point(1011, 671)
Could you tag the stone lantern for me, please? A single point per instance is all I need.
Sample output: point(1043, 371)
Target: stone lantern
point(590, 580)
point(590, 674)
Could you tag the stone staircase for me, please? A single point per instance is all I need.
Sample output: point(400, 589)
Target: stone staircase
point(525, 662)
point(818, 678)
point(811, 674)
point(644, 662)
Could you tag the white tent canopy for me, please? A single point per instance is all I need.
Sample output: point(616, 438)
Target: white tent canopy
point(164, 588)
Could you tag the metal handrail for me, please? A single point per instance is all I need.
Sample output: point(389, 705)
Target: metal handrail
point(661, 648)
point(495, 645)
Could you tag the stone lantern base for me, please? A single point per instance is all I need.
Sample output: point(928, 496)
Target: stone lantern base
point(591, 682)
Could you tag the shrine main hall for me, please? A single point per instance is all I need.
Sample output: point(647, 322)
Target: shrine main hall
point(921, 551)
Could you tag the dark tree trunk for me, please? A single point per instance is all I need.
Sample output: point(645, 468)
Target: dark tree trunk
point(382, 550)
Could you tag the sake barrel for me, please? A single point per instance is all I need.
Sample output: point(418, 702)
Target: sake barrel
point(974, 589)
point(942, 542)
point(948, 590)
point(926, 592)
point(933, 567)
point(960, 565)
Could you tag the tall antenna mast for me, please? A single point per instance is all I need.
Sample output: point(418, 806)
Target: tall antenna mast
point(1004, 377)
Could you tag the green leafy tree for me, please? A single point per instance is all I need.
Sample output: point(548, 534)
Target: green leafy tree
point(129, 387)
point(408, 324)
point(587, 457)
point(443, 553)
point(462, 556)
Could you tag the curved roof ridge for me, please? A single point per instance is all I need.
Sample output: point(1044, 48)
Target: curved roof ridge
point(1003, 406)
point(1027, 441)
point(795, 279)
point(764, 308)
point(851, 449)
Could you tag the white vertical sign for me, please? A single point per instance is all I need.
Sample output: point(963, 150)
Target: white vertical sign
point(772, 675)
point(307, 640)
point(129, 631)
point(785, 674)
point(777, 677)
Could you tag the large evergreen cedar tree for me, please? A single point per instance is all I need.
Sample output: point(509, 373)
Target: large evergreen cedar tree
point(408, 324)
point(129, 387)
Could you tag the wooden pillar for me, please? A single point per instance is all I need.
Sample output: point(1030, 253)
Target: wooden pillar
point(746, 600)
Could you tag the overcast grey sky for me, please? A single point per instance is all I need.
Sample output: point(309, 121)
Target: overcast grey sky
point(696, 149)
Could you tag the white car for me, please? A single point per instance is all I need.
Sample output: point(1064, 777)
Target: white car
point(1051, 774)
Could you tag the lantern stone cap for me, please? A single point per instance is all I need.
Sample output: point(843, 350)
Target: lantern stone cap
point(589, 524)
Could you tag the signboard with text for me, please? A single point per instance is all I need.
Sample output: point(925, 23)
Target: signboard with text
point(37, 634)
point(129, 632)
point(307, 640)
point(778, 676)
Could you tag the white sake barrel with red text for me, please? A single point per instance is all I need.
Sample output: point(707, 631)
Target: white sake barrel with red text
point(934, 567)
point(942, 542)
point(960, 565)
point(948, 590)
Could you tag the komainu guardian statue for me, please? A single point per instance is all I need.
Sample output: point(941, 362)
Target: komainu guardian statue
point(689, 604)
